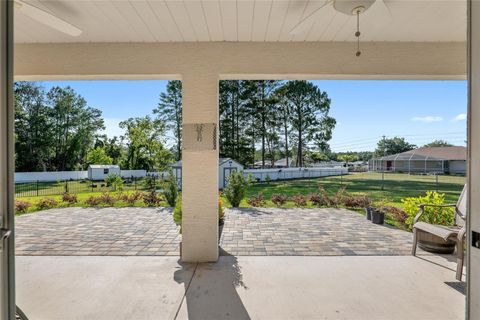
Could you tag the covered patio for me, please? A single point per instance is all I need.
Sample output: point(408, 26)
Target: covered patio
point(243, 287)
point(201, 42)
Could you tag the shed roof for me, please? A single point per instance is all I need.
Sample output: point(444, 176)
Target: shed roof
point(103, 166)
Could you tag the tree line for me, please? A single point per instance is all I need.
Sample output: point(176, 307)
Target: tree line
point(260, 122)
point(58, 131)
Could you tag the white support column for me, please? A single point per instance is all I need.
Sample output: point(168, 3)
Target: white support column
point(7, 267)
point(200, 172)
point(473, 260)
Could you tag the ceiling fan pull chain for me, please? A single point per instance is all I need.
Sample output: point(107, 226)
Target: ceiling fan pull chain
point(357, 34)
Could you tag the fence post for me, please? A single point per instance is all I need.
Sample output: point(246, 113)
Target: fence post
point(37, 188)
point(383, 180)
point(436, 181)
point(66, 186)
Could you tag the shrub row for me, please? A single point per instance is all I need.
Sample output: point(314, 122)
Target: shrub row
point(150, 199)
point(319, 199)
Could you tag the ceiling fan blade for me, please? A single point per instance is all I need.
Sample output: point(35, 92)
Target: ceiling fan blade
point(47, 18)
point(307, 21)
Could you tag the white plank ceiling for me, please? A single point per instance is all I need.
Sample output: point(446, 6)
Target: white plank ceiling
point(242, 20)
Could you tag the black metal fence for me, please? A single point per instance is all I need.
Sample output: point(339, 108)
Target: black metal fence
point(41, 188)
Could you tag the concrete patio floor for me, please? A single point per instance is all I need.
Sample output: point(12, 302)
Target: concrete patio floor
point(340, 287)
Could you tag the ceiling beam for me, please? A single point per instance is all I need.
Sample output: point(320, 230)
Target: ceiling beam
point(242, 60)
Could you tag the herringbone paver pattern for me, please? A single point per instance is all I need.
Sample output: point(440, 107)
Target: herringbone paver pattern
point(151, 231)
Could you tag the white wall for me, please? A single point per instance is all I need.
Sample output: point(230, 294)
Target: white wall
point(458, 166)
point(133, 173)
point(71, 175)
point(50, 176)
point(294, 173)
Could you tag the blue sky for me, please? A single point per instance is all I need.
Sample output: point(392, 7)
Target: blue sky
point(420, 111)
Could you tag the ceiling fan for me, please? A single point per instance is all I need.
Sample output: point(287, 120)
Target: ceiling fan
point(47, 18)
point(348, 7)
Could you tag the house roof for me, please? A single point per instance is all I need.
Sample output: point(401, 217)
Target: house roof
point(430, 153)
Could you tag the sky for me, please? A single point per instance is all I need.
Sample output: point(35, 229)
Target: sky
point(365, 110)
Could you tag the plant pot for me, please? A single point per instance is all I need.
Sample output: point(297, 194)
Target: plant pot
point(378, 217)
point(434, 244)
point(368, 213)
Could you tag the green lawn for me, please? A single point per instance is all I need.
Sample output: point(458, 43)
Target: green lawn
point(34, 189)
point(395, 186)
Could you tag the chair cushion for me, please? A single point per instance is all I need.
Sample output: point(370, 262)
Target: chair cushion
point(443, 232)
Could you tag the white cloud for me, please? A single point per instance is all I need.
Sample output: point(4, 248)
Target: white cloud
point(111, 127)
point(460, 117)
point(428, 119)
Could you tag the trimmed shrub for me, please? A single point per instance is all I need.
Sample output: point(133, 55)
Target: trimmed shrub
point(316, 199)
point(107, 199)
point(221, 211)
point(131, 198)
point(356, 201)
point(300, 200)
point(279, 199)
point(257, 200)
point(340, 196)
point(93, 201)
point(396, 213)
point(326, 200)
point(236, 188)
point(170, 191)
point(47, 203)
point(22, 206)
point(69, 198)
point(177, 213)
point(434, 215)
point(151, 199)
point(115, 181)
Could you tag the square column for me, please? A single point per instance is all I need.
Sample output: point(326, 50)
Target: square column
point(473, 253)
point(200, 168)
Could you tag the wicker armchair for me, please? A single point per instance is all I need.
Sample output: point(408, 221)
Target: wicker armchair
point(456, 233)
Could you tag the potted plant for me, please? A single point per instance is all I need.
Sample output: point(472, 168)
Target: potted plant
point(378, 215)
point(368, 212)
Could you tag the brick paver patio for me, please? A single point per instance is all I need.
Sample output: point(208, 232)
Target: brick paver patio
point(151, 231)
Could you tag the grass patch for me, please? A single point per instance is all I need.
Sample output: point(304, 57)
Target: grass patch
point(396, 186)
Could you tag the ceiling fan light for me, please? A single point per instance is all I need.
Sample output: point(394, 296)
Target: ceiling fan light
point(351, 7)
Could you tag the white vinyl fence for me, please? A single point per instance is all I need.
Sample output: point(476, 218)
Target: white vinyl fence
point(294, 173)
point(52, 176)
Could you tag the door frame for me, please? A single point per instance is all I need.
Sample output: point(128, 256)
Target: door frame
point(7, 162)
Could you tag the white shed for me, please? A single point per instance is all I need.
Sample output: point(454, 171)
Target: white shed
point(99, 172)
point(225, 167)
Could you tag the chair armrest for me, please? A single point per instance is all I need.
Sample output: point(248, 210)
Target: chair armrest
point(422, 209)
point(437, 205)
